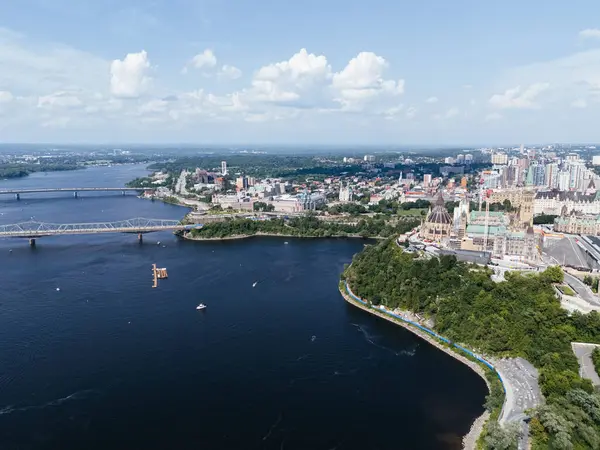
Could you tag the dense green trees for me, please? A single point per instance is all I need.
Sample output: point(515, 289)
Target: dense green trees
point(544, 219)
point(22, 170)
point(518, 317)
point(307, 226)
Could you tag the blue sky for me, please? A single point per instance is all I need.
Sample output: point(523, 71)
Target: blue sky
point(428, 72)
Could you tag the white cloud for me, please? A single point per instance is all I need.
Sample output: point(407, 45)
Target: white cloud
point(411, 112)
point(5, 97)
point(129, 77)
point(517, 98)
point(579, 103)
point(62, 99)
point(230, 72)
point(362, 80)
point(204, 60)
point(431, 100)
point(302, 77)
point(452, 112)
point(590, 33)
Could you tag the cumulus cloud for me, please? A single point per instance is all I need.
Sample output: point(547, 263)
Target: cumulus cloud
point(590, 33)
point(579, 103)
point(299, 79)
point(129, 76)
point(230, 72)
point(411, 112)
point(431, 100)
point(204, 60)
point(362, 80)
point(518, 98)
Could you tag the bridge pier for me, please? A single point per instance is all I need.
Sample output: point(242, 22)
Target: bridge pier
point(32, 242)
point(140, 238)
point(18, 196)
point(123, 193)
point(75, 194)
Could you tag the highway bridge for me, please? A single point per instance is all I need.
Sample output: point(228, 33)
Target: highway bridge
point(17, 192)
point(32, 230)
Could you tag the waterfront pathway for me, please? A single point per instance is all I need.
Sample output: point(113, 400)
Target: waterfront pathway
point(518, 377)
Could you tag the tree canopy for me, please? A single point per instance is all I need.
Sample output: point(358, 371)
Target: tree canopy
point(518, 317)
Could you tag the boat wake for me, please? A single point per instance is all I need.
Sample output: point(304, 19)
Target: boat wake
point(273, 427)
point(79, 395)
point(371, 340)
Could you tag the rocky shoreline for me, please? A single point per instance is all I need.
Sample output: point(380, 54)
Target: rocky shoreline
point(470, 439)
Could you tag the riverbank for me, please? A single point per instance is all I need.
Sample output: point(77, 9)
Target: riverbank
point(259, 234)
point(470, 439)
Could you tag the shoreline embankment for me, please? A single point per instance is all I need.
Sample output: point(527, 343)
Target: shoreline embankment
point(470, 439)
point(259, 234)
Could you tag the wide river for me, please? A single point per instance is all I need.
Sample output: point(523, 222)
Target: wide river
point(91, 357)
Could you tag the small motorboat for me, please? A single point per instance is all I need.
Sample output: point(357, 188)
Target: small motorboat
point(254, 284)
point(201, 306)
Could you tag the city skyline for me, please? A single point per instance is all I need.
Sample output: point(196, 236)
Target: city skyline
point(218, 73)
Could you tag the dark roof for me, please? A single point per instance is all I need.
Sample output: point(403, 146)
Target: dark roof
point(439, 214)
point(592, 185)
point(439, 201)
point(566, 195)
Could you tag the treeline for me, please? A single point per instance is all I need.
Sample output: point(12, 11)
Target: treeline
point(306, 226)
point(387, 207)
point(518, 317)
point(22, 170)
point(544, 219)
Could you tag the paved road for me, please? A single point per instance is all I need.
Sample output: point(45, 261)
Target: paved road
point(582, 289)
point(522, 390)
point(584, 357)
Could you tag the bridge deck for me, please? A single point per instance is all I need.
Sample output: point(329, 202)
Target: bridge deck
point(75, 189)
point(138, 225)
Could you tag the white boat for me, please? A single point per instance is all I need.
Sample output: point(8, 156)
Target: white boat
point(254, 284)
point(201, 306)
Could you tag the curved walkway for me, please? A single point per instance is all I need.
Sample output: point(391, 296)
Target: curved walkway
point(470, 439)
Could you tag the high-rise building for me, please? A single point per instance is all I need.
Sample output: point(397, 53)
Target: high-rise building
point(572, 157)
point(449, 160)
point(551, 176)
point(563, 180)
point(468, 158)
point(223, 168)
point(596, 160)
point(460, 158)
point(241, 183)
point(369, 158)
point(463, 182)
point(538, 174)
point(427, 180)
point(499, 158)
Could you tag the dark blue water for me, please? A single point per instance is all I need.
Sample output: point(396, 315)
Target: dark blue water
point(108, 362)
